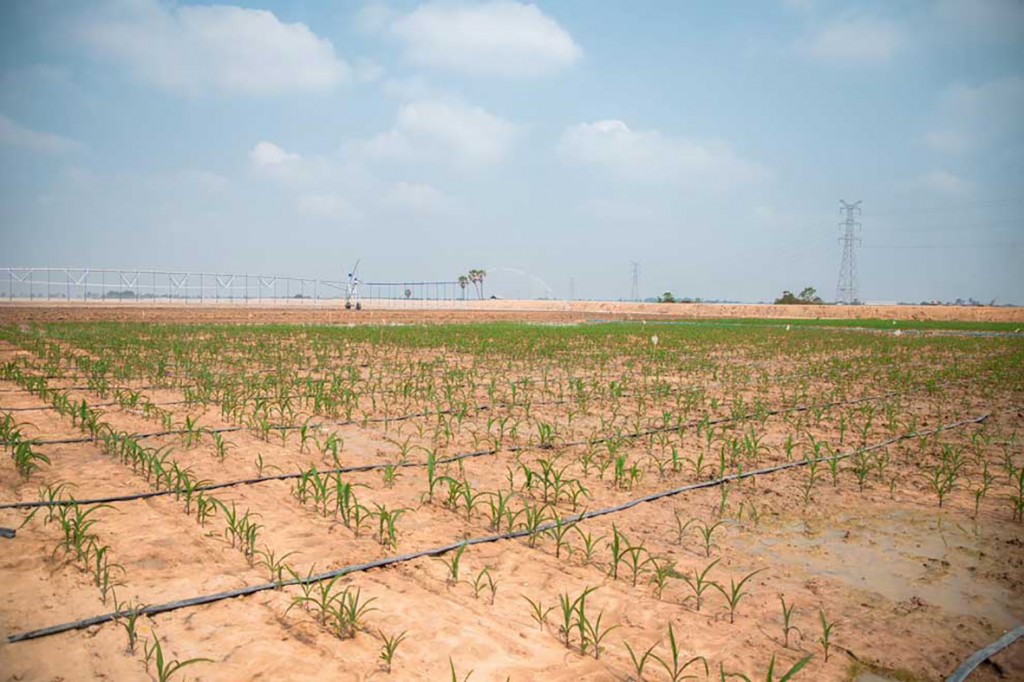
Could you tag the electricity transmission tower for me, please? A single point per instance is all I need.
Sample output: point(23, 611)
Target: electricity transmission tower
point(846, 289)
point(634, 292)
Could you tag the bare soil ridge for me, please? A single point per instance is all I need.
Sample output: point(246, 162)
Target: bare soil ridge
point(430, 312)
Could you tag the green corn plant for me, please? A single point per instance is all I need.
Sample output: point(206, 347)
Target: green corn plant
point(452, 564)
point(127, 617)
point(533, 519)
point(640, 662)
point(826, 633)
point(455, 675)
point(274, 564)
point(674, 665)
point(387, 533)
point(663, 570)
point(389, 645)
point(166, 669)
point(538, 612)
point(787, 617)
point(347, 612)
point(735, 592)
point(706, 532)
point(770, 674)
point(699, 582)
point(558, 532)
point(590, 544)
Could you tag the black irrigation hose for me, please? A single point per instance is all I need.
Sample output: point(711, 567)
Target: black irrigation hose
point(713, 422)
point(437, 551)
point(371, 467)
point(230, 484)
point(979, 657)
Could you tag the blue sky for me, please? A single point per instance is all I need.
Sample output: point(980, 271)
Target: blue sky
point(709, 141)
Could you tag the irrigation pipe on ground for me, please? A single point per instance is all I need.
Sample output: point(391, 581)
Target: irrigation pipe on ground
point(437, 551)
point(979, 657)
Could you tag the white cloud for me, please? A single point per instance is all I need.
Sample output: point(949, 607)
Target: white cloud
point(948, 141)
point(269, 154)
point(13, 134)
point(853, 39)
point(971, 117)
point(200, 48)
point(374, 17)
point(985, 19)
point(419, 198)
point(495, 38)
point(324, 206)
point(942, 183)
point(444, 130)
point(649, 156)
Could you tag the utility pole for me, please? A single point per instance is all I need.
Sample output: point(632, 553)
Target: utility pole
point(634, 292)
point(572, 289)
point(846, 289)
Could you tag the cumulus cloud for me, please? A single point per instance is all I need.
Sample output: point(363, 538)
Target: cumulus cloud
point(942, 183)
point(853, 39)
point(419, 198)
point(13, 134)
point(985, 19)
point(199, 48)
point(445, 130)
point(650, 156)
point(970, 117)
point(269, 154)
point(496, 38)
point(324, 206)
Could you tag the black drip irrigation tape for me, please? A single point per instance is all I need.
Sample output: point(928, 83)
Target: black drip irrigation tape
point(444, 549)
point(713, 422)
point(979, 657)
point(372, 467)
point(230, 484)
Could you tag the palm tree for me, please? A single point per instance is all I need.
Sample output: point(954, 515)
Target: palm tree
point(477, 278)
point(463, 282)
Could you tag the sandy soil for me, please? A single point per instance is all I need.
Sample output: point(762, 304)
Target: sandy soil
point(384, 312)
point(914, 588)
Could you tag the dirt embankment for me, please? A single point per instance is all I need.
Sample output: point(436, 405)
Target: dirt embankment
point(430, 312)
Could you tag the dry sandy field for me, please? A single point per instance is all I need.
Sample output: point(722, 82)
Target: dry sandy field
point(298, 493)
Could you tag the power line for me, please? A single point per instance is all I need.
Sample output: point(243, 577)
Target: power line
point(634, 293)
point(949, 207)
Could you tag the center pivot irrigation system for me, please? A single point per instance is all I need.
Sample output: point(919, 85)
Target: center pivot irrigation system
point(136, 285)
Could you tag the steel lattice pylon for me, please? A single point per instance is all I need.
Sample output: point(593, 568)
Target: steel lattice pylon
point(846, 288)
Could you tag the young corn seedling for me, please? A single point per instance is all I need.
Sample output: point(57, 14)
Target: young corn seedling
point(166, 669)
point(484, 579)
point(770, 674)
point(348, 611)
point(706, 531)
point(559, 532)
point(275, 565)
point(699, 582)
point(387, 533)
point(589, 545)
point(538, 612)
point(787, 617)
point(640, 662)
point(127, 617)
point(455, 675)
point(389, 645)
point(673, 664)
point(663, 570)
point(982, 487)
point(452, 564)
point(826, 633)
point(735, 592)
